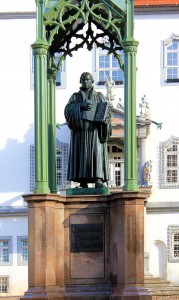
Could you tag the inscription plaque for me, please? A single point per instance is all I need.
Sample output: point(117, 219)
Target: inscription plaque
point(87, 237)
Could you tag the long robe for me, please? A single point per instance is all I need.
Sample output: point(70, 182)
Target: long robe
point(88, 158)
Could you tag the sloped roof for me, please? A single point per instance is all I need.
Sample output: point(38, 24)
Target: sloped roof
point(156, 3)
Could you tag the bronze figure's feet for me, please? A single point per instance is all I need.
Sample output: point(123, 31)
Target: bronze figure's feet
point(83, 185)
point(99, 183)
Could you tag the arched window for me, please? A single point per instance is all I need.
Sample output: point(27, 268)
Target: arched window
point(170, 60)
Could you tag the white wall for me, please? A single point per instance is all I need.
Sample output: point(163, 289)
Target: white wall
point(158, 244)
point(17, 5)
point(16, 120)
point(18, 275)
point(163, 100)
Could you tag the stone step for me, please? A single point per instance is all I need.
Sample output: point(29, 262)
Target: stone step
point(160, 287)
point(155, 280)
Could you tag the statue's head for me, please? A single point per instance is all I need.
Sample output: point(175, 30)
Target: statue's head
point(86, 80)
point(86, 74)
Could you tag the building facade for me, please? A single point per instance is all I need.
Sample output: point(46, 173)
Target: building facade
point(156, 29)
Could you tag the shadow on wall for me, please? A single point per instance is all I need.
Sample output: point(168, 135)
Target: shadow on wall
point(15, 166)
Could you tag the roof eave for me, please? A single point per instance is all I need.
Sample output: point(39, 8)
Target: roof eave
point(156, 8)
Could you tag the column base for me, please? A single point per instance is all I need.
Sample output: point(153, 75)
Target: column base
point(78, 292)
point(131, 293)
point(46, 292)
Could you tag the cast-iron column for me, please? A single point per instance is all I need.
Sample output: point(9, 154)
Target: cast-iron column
point(130, 137)
point(51, 75)
point(40, 105)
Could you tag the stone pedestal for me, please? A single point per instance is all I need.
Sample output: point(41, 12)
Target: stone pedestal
point(67, 260)
point(45, 250)
point(127, 238)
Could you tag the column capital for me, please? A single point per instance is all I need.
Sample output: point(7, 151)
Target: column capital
point(130, 45)
point(40, 47)
point(40, 2)
point(40, 43)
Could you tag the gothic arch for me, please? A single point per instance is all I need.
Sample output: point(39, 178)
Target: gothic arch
point(67, 19)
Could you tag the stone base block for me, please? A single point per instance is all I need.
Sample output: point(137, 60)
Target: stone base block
point(86, 247)
point(48, 292)
point(77, 292)
point(88, 292)
point(131, 293)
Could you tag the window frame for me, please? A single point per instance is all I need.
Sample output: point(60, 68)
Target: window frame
point(167, 167)
point(164, 66)
point(62, 158)
point(10, 262)
point(171, 231)
point(7, 278)
point(62, 182)
point(19, 251)
point(116, 165)
point(96, 69)
point(62, 71)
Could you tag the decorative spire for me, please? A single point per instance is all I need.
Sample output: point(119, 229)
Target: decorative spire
point(110, 95)
point(144, 108)
point(120, 104)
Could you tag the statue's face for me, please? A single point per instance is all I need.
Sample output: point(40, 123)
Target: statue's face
point(86, 82)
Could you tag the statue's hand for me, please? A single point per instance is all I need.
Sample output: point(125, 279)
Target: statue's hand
point(107, 120)
point(85, 106)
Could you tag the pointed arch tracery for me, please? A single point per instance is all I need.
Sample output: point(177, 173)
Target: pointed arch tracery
point(69, 19)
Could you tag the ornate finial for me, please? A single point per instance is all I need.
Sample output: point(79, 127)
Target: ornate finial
point(147, 172)
point(145, 110)
point(110, 89)
point(120, 104)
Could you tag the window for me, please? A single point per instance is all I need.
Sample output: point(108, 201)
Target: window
point(106, 67)
point(22, 250)
point(61, 75)
point(173, 243)
point(116, 172)
point(3, 284)
point(62, 165)
point(169, 163)
point(116, 149)
point(5, 251)
point(170, 60)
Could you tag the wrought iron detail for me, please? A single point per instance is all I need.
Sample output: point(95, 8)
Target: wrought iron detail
point(66, 20)
point(52, 73)
point(40, 52)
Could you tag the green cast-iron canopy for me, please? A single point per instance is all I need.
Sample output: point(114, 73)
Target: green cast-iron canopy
point(64, 19)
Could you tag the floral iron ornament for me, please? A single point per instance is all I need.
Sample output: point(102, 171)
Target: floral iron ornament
point(66, 20)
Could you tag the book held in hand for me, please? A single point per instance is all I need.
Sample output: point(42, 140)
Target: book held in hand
point(97, 113)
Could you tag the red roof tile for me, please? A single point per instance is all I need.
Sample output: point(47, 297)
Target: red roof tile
point(117, 120)
point(156, 2)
